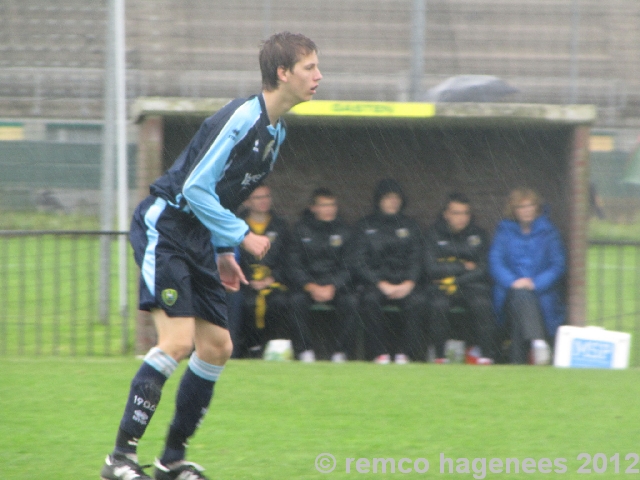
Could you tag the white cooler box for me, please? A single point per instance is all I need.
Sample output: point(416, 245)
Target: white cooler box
point(591, 347)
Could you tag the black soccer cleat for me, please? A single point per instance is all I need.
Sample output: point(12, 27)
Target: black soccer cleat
point(121, 467)
point(182, 471)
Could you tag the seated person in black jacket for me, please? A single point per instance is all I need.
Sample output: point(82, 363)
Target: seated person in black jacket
point(319, 274)
point(388, 263)
point(456, 252)
point(264, 301)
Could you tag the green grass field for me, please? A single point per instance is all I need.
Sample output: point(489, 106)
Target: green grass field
point(272, 420)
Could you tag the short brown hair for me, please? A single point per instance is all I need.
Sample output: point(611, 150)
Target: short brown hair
point(320, 192)
point(519, 195)
point(282, 49)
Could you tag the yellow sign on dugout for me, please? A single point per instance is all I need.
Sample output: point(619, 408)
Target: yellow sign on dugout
point(364, 109)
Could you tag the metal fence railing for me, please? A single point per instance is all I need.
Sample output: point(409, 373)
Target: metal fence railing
point(613, 283)
point(52, 302)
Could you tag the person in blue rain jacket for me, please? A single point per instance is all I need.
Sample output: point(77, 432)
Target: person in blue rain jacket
point(527, 263)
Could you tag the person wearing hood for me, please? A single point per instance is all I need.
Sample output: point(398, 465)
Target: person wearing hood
point(388, 264)
point(527, 263)
point(456, 251)
point(319, 273)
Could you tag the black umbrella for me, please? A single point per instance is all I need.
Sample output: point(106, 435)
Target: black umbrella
point(470, 88)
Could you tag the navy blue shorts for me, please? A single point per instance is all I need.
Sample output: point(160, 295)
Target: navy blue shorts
point(178, 272)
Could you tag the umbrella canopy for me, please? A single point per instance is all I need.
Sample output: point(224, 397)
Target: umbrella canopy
point(470, 88)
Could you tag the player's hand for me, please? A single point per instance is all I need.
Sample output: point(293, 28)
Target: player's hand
point(386, 288)
point(256, 245)
point(258, 285)
point(524, 283)
point(324, 293)
point(469, 265)
point(402, 290)
point(230, 273)
point(320, 293)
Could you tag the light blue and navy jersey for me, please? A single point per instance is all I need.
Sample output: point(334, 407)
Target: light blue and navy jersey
point(229, 156)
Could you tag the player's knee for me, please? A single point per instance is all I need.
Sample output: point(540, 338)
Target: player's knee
point(223, 348)
point(216, 352)
point(177, 350)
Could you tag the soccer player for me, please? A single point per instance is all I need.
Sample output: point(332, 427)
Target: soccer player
point(183, 236)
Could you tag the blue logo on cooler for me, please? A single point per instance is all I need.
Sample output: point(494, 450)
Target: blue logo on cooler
point(591, 353)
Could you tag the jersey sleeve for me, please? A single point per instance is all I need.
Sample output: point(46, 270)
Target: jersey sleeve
point(227, 230)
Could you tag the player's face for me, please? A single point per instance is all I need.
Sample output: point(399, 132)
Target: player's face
point(526, 212)
point(391, 203)
point(325, 209)
point(457, 215)
point(303, 79)
point(260, 200)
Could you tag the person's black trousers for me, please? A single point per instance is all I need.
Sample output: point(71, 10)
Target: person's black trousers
point(524, 322)
point(341, 334)
point(253, 331)
point(479, 326)
point(398, 333)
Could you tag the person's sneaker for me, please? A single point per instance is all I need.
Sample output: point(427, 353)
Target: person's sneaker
point(401, 359)
point(338, 357)
point(181, 471)
point(308, 356)
point(484, 361)
point(383, 359)
point(255, 351)
point(441, 360)
point(121, 467)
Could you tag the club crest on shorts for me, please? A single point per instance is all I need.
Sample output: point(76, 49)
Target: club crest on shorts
point(169, 296)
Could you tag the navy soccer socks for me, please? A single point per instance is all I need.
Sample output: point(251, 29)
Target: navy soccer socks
point(144, 396)
point(192, 402)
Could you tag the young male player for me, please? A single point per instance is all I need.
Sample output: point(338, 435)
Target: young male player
point(183, 236)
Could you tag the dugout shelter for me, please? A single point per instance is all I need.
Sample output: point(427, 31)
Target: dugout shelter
point(481, 149)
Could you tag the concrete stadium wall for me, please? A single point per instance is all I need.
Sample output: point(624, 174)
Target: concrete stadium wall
point(52, 53)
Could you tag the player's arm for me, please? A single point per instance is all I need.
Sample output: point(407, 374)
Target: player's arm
point(359, 256)
point(480, 270)
point(556, 263)
point(227, 230)
point(435, 265)
point(499, 265)
point(297, 258)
